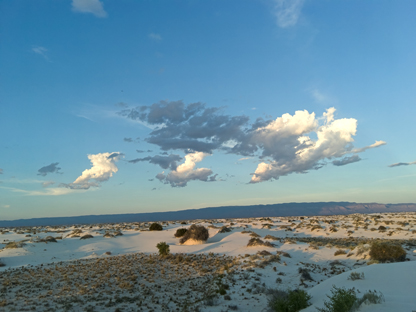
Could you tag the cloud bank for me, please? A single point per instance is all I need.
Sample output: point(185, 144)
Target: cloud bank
point(103, 167)
point(289, 144)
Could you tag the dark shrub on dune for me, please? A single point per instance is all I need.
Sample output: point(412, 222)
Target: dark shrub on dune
point(180, 232)
point(196, 232)
point(155, 227)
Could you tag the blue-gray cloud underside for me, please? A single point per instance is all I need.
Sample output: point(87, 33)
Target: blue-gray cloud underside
point(52, 168)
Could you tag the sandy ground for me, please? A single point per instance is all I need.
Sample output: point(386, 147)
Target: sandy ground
point(119, 269)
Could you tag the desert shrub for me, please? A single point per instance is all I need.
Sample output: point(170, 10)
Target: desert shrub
point(289, 301)
point(340, 252)
point(2, 264)
point(163, 248)
point(305, 274)
point(14, 245)
point(225, 229)
point(87, 236)
point(196, 232)
point(382, 228)
point(183, 222)
point(180, 232)
point(385, 251)
point(258, 242)
point(355, 276)
point(271, 237)
point(155, 227)
point(340, 300)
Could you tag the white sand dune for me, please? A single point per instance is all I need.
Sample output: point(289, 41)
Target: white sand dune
point(104, 264)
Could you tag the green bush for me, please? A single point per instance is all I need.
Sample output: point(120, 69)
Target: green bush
point(385, 251)
point(341, 300)
point(163, 248)
point(289, 301)
point(180, 232)
point(155, 227)
point(196, 232)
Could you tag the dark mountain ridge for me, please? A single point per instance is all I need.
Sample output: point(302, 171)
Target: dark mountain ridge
point(272, 210)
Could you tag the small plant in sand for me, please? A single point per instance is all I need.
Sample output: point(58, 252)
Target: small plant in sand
point(180, 232)
point(195, 232)
point(288, 301)
point(356, 276)
point(387, 252)
point(155, 227)
point(163, 249)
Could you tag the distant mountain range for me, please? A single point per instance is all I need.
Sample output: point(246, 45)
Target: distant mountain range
point(273, 210)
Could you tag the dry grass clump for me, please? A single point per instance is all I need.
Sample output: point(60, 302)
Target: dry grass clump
point(258, 242)
point(48, 239)
point(11, 245)
point(340, 252)
point(195, 232)
point(271, 237)
point(387, 252)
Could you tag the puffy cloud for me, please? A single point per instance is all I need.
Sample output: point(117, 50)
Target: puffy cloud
point(49, 169)
point(1, 171)
point(346, 160)
point(287, 12)
point(103, 167)
point(129, 140)
point(89, 6)
point(163, 161)
point(291, 150)
point(402, 164)
point(186, 172)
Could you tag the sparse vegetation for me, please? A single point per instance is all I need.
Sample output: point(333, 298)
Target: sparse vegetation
point(289, 301)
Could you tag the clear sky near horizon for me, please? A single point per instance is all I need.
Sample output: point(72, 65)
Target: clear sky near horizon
point(140, 106)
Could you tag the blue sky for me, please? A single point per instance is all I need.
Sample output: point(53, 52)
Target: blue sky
point(141, 106)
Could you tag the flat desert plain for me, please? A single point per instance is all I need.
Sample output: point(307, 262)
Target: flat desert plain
point(117, 267)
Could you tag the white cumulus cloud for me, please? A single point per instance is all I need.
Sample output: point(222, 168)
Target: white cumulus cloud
point(103, 167)
point(187, 172)
point(89, 6)
point(289, 145)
